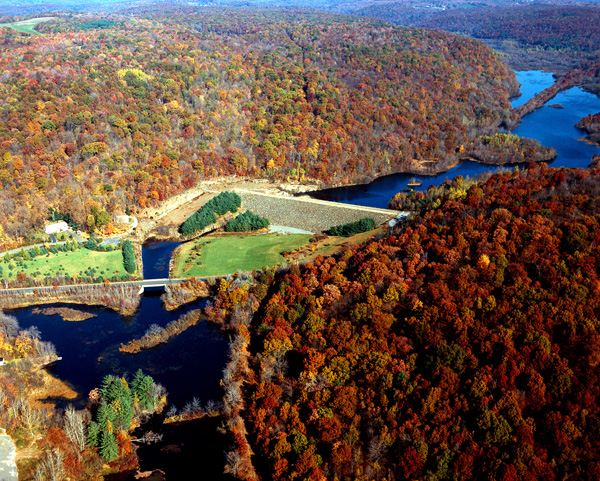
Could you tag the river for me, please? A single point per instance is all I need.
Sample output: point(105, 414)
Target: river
point(188, 366)
point(552, 127)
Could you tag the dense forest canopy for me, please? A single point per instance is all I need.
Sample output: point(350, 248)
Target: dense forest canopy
point(117, 111)
point(463, 345)
point(555, 36)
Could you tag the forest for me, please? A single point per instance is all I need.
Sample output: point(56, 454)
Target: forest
point(556, 36)
point(463, 344)
point(591, 124)
point(116, 112)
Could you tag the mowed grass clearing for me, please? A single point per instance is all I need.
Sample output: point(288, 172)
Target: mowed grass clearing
point(26, 26)
point(215, 256)
point(80, 263)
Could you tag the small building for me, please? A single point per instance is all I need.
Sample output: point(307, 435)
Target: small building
point(61, 226)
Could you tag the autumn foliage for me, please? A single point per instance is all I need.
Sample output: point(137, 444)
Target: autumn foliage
point(135, 109)
point(463, 344)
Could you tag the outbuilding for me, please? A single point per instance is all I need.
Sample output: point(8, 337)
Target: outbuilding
point(61, 226)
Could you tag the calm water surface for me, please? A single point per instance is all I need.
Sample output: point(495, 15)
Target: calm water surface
point(188, 365)
point(156, 256)
point(552, 127)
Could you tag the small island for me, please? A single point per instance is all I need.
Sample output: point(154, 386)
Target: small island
point(67, 314)
point(591, 125)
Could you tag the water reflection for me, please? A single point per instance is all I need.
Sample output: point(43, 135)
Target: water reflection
point(188, 365)
point(552, 127)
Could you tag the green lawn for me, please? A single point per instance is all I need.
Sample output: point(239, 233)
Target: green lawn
point(214, 256)
point(26, 26)
point(81, 263)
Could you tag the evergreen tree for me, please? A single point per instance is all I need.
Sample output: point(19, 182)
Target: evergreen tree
point(142, 389)
point(105, 416)
point(108, 446)
point(207, 214)
point(247, 221)
point(362, 225)
point(129, 257)
point(93, 435)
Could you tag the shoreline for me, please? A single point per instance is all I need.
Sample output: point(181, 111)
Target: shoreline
point(42, 302)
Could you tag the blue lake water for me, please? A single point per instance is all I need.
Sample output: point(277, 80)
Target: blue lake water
point(552, 127)
point(191, 364)
point(532, 82)
point(156, 256)
point(188, 365)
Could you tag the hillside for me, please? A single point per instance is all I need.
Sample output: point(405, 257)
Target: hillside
point(463, 345)
point(555, 36)
point(123, 111)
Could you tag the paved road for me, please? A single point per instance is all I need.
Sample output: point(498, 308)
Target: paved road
point(59, 243)
point(144, 283)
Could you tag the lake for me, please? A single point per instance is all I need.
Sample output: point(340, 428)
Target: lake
point(191, 364)
point(552, 127)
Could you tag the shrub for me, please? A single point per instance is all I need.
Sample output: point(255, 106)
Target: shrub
point(129, 257)
point(362, 225)
point(90, 244)
point(248, 221)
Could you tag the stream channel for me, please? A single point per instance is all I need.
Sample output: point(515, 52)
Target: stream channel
point(190, 365)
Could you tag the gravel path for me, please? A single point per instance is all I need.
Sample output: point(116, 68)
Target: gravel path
point(308, 214)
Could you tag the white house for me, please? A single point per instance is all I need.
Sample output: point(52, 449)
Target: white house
point(61, 226)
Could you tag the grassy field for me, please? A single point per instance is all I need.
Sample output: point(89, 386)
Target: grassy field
point(213, 256)
point(331, 245)
point(26, 26)
point(81, 263)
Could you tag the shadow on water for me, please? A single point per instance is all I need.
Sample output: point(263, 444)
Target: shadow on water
point(189, 450)
point(156, 256)
point(189, 365)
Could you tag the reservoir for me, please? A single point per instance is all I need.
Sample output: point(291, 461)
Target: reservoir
point(190, 365)
point(551, 126)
